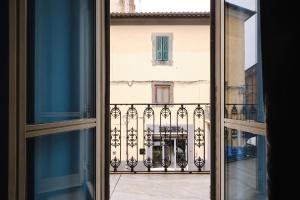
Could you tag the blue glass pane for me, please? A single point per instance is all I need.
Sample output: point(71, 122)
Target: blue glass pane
point(61, 166)
point(61, 60)
point(243, 65)
point(245, 153)
point(245, 165)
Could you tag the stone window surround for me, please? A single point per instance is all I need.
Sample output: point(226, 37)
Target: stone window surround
point(170, 49)
point(162, 83)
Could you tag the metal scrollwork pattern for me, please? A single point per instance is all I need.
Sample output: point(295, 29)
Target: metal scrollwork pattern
point(148, 128)
point(199, 137)
point(148, 162)
point(234, 112)
point(115, 137)
point(182, 138)
point(132, 137)
point(132, 162)
point(165, 136)
point(199, 162)
point(175, 141)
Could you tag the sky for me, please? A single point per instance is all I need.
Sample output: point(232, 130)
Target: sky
point(172, 5)
point(204, 6)
point(184, 5)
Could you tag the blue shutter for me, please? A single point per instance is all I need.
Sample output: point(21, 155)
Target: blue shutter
point(165, 48)
point(159, 48)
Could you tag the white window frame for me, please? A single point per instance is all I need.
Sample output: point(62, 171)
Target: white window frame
point(20, 132)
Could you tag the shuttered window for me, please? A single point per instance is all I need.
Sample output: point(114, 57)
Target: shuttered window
point(165, 45)
point(162, 48)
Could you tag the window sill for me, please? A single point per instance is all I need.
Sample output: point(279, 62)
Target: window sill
point(157, 62)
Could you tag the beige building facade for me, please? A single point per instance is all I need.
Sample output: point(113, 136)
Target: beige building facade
point(235, 73)
point(136, 77)
point(132, 69)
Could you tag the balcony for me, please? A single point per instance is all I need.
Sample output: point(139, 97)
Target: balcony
point(162, 151)
point(155, 138)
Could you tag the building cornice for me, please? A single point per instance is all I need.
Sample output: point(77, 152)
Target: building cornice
point(161, 18)
point(239, 12)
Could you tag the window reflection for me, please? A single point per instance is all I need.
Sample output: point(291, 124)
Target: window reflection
point(245, 168)
point(243, 96)
point(60, 60)
point(245, 152)
point(61, 166)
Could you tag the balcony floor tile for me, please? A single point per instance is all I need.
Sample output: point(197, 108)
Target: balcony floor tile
point(159, 186)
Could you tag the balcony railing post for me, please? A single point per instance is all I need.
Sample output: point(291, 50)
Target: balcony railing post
point(115, 137)
point(182, 137)
point(165, 136)
point(132, 137)
point(199, 137)
point(148, 117)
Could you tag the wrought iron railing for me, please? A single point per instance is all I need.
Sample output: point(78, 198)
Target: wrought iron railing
point(240, 111)
point(159, 137)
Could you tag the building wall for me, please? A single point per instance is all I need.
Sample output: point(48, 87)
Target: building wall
point(250, 93)
point(235, 59)
point(132, 73)
point(132, 70)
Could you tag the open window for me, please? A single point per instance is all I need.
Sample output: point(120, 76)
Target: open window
point(58, 99)
point(240, 121)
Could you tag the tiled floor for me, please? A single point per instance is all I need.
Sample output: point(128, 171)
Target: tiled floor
point(242, 180)
point(159, 186)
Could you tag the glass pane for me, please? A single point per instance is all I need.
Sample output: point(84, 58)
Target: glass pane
point(61, 60)
point(245, 153)
point(245, 165)
point(243, 72)
point(62, 166)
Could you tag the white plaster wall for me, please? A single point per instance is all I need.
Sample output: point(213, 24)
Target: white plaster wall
point(131, 61)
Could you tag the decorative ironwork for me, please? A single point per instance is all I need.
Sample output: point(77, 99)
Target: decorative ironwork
point(234, 112)
point(241, 111)
point(165, 136)
point(148, 128)
point(182, 138)
point(199, 162)
point(199, 137)
point(132, 137)
point(132, 162)
point(162, 143)
point(115, 137)
point(148, 162)
point(115, 163)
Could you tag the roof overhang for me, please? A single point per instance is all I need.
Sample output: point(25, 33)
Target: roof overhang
point(178, 18)
point(239, 12)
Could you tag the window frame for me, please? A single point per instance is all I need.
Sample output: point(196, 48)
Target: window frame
point(20, 131)
point(222, 123)
point(157, 84)
point(156, 62)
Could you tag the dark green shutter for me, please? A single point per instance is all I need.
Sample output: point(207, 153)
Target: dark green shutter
point(159, 48)
point(165, 46)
